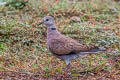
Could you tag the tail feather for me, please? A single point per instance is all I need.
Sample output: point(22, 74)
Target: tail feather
point(93, 51)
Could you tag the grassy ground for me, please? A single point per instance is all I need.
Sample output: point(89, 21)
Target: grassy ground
point(23, 50)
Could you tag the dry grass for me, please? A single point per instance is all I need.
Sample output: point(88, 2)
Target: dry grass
point(23, 43)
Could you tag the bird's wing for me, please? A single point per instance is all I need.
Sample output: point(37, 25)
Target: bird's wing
point(58, 46)
point(65, 45)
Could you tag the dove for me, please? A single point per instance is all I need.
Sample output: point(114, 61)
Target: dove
point(63, 47)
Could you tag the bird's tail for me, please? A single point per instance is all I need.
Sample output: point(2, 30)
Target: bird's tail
point(92, 51)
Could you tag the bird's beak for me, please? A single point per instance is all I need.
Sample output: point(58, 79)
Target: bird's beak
point(41, 23)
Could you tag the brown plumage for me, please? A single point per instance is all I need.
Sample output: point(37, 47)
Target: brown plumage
point(62, 46)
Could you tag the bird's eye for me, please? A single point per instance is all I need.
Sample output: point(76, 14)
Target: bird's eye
point(47, 19)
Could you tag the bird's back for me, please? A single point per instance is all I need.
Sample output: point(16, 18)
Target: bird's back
point(60, 44)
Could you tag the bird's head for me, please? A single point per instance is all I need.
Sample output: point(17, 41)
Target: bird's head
point(48, 21)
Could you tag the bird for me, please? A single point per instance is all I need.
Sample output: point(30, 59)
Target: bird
point(64, 47)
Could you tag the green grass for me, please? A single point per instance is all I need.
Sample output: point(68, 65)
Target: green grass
point(23, 44)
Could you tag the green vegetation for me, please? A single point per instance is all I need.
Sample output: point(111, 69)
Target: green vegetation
point(23, 43)
point(17, 4)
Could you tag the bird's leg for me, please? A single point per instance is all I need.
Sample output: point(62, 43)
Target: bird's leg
point(67, 68)
point(67, 61)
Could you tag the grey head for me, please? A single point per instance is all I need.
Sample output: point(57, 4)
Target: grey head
point(47, 20)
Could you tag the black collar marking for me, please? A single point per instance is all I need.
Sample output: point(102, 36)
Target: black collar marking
point(53, 28)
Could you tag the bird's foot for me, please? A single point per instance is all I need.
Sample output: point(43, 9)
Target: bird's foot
point(69, 66)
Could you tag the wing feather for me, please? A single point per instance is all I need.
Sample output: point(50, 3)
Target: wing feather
point(65, 45)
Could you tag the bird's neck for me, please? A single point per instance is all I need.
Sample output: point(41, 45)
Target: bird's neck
point(52, 28)
point(52, 31)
